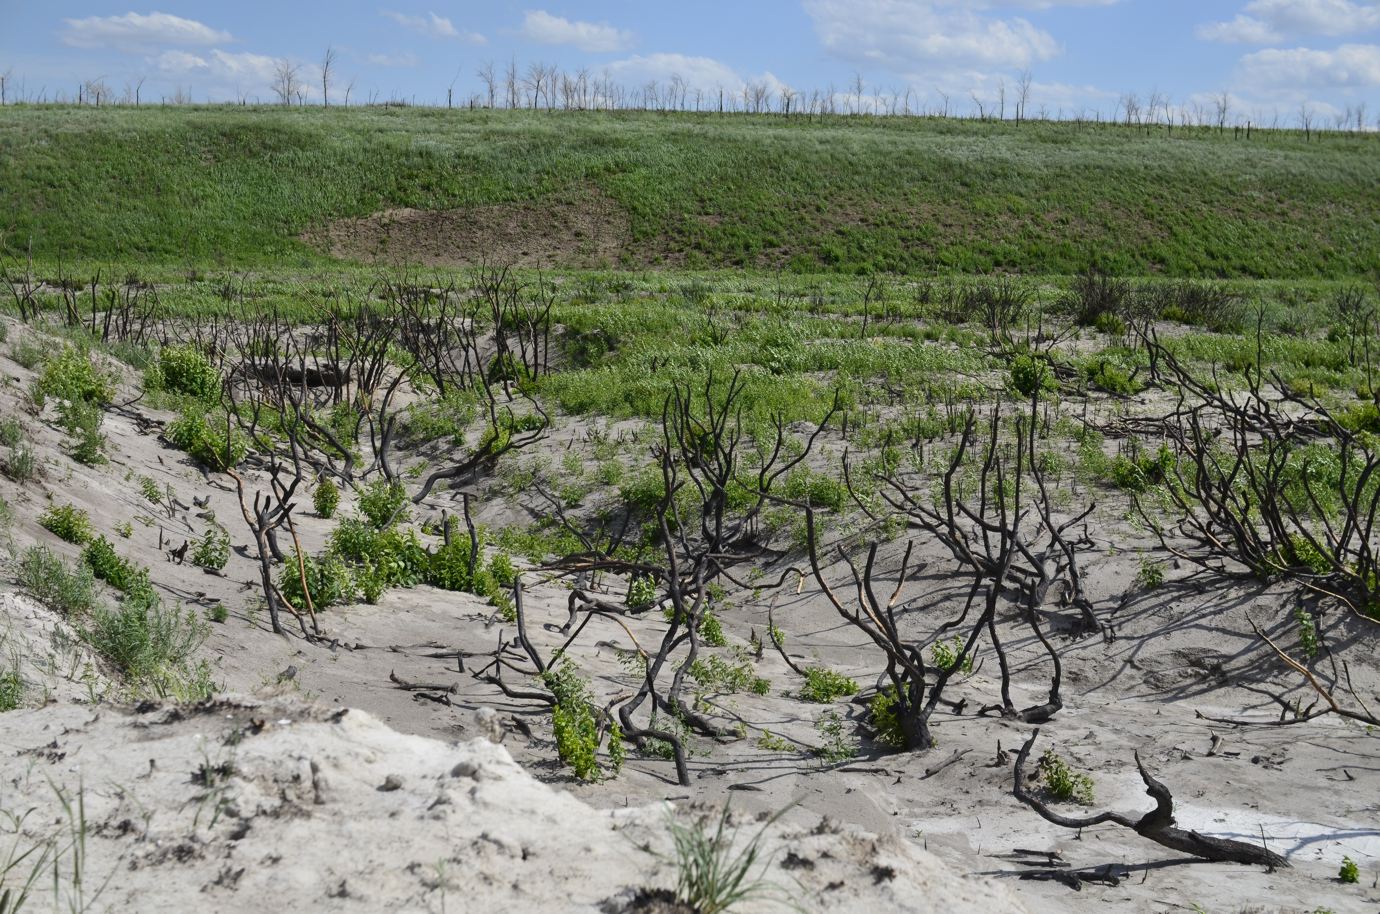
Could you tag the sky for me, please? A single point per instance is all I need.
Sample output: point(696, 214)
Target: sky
point(1273, 59)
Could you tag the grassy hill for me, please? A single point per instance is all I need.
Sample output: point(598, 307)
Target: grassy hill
point(239, 187)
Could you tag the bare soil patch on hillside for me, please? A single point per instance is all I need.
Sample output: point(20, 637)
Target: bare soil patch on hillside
point(578, 229)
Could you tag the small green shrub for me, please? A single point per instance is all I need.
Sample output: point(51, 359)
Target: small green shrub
point(575, 724)
point(82, 423)
point(11, 690)
point(73, 375)
point(186, 370)
point(718, 674)
point(1150, 576)
point(773, 743)
point(711, 630)
point(1138, 472)
point(1308, 633)
point(67, 522)
point(501, 567)
point(1031, 375)
point(153, 646)
point(449, 567)
point(1110, 324)
point(384, 503)
point(884, 719)
point(1062, 782)
point(326, 498)
point(641, 592)
point(27, 354)
point(824, 685)
point(1349, 873)
point(218, 613)
point(11, 432)
point(944, 655)
point(1109, 375)
point(149, 488)
point(714, 870)
point(819, 490)
point(837, 746)
point(131, 579)
point(330, 581)
point(213, 445)
point(70, 589)
point(21, 464)
point(212, 550)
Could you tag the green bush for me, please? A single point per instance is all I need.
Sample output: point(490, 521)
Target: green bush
point(326, 498)
point(11, 432)
point(819, 490)
point(718, 674)
point(711, 630)
point(575, 724)
point(885, 721)
point(1137, 473)
point(153, 646)
point(11, 690)
point(70, 589)
point(1031, 375)
point(1308, 632)
point(944, 655)
point(1062, 782)
point(824, 685)
point(131, 579)
point(73, 375)
point(1111, 376)
point(1349, 872)
point(67, 522)
point(82, 423)
point(212, 550)
point(213, 445)
point(384, 503)
point(1151, 574)
point(330, 581)
point(501, 567)
point(641, 592)
point(21, 464)
point(186, 370)
point(449, 567)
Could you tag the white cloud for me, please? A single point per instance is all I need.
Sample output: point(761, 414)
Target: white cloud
point(910, 35)
point(405, 59)
point(434, 26)
point(135, 32)
point(1271, 21)
point(595, 38)
point(1349, 66)
point(704, 73)
point(256, 69)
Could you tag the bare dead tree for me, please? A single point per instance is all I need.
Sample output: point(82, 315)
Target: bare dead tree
point(1244, 505)
point(1157, 825)
point(286, 84)
point(1001, 533)
point(707, 526)
point(486, 76)
point(327, 75)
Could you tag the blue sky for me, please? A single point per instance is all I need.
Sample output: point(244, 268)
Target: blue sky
point(1272, 57)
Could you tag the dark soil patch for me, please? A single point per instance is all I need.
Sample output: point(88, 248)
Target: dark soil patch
point(581, 229)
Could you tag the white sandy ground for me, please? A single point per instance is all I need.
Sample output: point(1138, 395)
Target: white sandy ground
point(1180, 651)
point(248, 806)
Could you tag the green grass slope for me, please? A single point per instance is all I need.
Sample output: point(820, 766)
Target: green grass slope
point(232, 187)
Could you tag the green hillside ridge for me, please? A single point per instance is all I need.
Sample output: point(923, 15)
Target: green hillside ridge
point(234, 187)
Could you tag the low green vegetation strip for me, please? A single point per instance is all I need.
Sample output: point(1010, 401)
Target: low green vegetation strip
point(236, 187)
